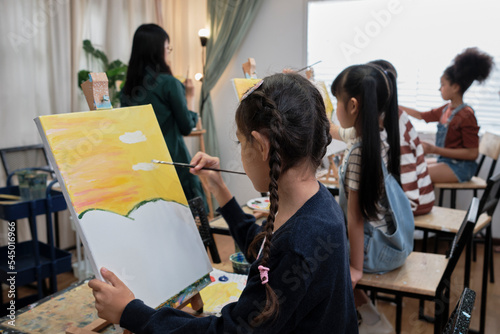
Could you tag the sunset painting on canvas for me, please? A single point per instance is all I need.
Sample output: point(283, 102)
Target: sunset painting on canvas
point(107, 159)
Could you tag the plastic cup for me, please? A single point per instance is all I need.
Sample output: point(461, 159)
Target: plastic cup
point(32, 185)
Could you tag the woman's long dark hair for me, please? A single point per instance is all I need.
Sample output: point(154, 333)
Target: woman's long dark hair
point(147, 56)
point(376, 92)
point(290, 111)
point(468, 66)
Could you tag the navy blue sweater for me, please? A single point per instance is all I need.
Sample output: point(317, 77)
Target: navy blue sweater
point(309, 271)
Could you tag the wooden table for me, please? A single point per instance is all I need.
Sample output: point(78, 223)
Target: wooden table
point(73, 306)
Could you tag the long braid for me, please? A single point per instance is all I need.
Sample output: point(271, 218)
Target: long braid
point(271, 307)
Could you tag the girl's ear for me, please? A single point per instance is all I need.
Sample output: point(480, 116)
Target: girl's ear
point(353, 107)
point(455, 88)
point(262, 145)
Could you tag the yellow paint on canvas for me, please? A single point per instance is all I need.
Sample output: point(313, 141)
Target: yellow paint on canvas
point(105, 158)
point(326, 98)
point(242, 85)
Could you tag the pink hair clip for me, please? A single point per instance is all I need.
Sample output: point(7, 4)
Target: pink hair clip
point(252, 89)
point(263, 274)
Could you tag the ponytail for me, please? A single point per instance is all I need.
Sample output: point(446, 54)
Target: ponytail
point(391, 118)
point(391, 125)
point(468, 66)
point(370, 150)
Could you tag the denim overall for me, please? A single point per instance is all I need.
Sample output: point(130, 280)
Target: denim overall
point(384, 251)
point(463, 169)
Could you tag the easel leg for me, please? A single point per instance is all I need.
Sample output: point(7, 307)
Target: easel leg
point(196, 308)
point(197, 303)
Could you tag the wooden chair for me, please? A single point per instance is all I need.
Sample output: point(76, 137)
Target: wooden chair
point(425, 275)
point(197, 207)
point(445, 221)
point(489, 146)
point(460, 317)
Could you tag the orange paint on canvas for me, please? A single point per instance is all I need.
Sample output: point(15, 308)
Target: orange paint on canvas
point(104, 159)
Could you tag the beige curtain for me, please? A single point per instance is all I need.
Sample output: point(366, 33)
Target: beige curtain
point(36, 78)
point(182, 19)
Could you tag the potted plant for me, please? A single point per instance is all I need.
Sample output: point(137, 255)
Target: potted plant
point(116, 71)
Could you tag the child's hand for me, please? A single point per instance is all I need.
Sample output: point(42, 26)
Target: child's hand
point(211, 179)
point(428, 148)
point(110, 298)
point(356, 275)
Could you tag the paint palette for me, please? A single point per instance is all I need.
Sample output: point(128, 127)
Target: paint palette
point(259, 204)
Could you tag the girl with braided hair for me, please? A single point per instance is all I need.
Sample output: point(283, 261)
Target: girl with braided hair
point(457, 139)
point(299, 280)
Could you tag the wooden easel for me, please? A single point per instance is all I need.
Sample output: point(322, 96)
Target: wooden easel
point(99, 324)
point(200, 132)
point(249, 69)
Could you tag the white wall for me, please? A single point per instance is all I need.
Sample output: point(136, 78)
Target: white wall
point(276, 40)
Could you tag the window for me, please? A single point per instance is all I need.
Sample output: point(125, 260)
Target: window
point(420, 38)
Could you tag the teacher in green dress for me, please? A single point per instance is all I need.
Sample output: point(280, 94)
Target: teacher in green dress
point(150, 81)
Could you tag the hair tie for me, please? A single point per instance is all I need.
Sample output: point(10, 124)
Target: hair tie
point(263, 274)
point(252, 89)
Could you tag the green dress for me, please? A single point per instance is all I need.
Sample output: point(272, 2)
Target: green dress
point(167, 96)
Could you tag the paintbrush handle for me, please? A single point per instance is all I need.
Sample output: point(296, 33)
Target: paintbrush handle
point(308, 66)
point(181, 164)
point(222, 170)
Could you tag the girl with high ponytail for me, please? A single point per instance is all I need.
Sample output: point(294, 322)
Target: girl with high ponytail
point(457, 139)
point(299, 280)
point(380, 231)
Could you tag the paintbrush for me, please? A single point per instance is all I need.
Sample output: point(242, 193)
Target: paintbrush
point(180, 164)
point(308, 66)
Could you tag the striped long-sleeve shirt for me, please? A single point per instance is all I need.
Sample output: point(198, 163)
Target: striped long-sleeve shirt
point(415, 179)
